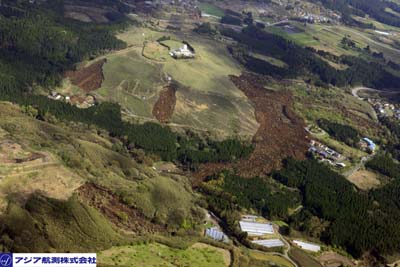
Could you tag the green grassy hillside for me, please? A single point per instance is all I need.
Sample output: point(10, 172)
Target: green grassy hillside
point(206, 98)
point(45, 205)
point(51, 225)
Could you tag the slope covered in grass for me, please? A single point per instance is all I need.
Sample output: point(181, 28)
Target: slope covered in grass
point(79, 154)
point(50, 225)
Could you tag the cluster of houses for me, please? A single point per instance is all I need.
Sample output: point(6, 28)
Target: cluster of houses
point(312, 18)
point(183, 52)
point(78, 101)
point(367, 144)
point(384, 109)
point(326, 154)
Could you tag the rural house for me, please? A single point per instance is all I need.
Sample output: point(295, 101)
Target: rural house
point(183, 52)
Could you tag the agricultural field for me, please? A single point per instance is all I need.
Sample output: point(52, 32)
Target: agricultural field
point(365, 179)
point(154, 255)
point(131, 82)
point(172, 44)
point(327, 38)
point(271, 258)
point(335, 259)
point(206, 98)
point(302, 258)
point(155, 51)
point(212, 10)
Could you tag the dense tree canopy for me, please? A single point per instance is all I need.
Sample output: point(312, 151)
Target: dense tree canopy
point(37, 44)
point(385, 165)
point(375, 9)
point(358, 221)
point(344, 133)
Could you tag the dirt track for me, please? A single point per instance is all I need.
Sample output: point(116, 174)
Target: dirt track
point(88, 78)
point(281, 133)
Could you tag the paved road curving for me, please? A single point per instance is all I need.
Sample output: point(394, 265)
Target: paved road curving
point(355, 90)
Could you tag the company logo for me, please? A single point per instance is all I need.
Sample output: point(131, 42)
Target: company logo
point(6, 260)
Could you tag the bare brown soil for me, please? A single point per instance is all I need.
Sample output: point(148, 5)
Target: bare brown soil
point(120, 214)
point(365, 179)
point(165, 105)
point(88, 78)
point(332, 259)
point(281, 133)
point(303, 259)
point(11, 152)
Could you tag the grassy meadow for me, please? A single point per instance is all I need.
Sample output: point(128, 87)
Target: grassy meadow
point(270, 258)
point(154, 255)
point(207, 100)
point(73, 155)
point(211, 9)
point(328, 37)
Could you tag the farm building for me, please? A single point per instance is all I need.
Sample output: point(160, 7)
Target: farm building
point(256, 229)
point(250, 218)
point(307, 246)
point(216, 234)
point(369, 143)
point(269, 243)
point(183, 52)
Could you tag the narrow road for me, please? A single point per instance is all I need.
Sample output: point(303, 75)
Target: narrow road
point(286, 251)
point(358, 166)
point(355, 91)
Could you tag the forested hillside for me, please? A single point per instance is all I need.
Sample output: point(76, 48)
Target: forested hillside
point(358, 221)
point(302, 62)
point(140, 176)
point(375, 9)
point(37, 44)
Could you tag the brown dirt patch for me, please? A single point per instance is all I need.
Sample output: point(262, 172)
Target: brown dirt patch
point(165, 105)
point(302, 258)
point(89, 78)
point(281, 133)
point(11, 152)
point(120, 214)
point(332, 259)
point(365, 180)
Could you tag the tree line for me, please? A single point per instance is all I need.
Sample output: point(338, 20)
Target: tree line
point(340, 132)
point(383, 163)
